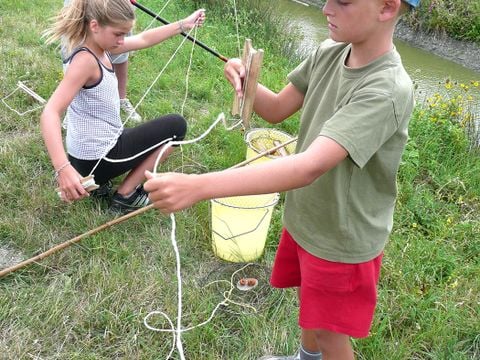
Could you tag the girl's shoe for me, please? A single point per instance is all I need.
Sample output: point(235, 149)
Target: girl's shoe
point(129, 110)
point(103, 192)
point(124, 205)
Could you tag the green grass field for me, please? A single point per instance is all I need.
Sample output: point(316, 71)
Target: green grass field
point(89, 301)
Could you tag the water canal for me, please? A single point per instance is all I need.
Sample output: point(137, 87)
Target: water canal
point(427, 70)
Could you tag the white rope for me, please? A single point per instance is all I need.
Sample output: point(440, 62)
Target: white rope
point(220, 117)
point(188, 71)
point(139, 154)
point(236, 26)
point(27, 90)
point(179, 289)
point(177, 331)
point(157, 14)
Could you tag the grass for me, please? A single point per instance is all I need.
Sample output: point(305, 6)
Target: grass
point(457, 18)
point(89, 301)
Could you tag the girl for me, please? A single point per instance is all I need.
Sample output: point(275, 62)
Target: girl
point(93, 30)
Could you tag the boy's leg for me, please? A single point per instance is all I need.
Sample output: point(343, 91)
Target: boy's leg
point(121, 70)
point(120, 65)
point(309, 341)
point(286, 273)
point(332, 345)
point(336, 300)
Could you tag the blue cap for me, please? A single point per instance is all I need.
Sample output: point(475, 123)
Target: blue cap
point(413, 3)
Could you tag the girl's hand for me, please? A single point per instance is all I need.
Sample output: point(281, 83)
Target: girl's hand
point(70, 186)
point(234, 71)
point(195, 19)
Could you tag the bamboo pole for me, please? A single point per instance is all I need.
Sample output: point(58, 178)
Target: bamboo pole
point(119, 220)
point(76, 239)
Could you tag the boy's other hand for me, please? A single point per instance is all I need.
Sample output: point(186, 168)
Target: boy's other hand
point(170, 192)
point(234, 71)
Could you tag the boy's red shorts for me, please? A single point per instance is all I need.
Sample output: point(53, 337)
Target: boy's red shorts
point(334, 296)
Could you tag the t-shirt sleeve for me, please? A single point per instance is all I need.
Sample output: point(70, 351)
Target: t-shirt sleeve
point(300, 76)
point(363, 125)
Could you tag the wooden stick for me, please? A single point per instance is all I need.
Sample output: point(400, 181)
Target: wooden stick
point(265, 153)
point(76, 239)
point(252, 60)
point(251, 87)
point(32, 93)
point(119, 220)
point(247, 48)
point(282, 151)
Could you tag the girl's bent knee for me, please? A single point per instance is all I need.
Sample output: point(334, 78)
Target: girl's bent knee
point(171, 126)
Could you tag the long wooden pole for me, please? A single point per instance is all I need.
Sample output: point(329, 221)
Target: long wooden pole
point(76, 239)
point(121, 219)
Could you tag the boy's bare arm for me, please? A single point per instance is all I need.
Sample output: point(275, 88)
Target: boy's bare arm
point(171, 192)
point(275, 108)
point(269, 105)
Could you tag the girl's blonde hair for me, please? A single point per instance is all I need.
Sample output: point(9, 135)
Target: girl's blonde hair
point(71, 24)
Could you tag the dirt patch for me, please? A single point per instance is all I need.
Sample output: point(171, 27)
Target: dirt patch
point(9, 258)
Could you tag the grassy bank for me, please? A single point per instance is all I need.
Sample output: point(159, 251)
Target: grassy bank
point(89, 301)
point(459, 19)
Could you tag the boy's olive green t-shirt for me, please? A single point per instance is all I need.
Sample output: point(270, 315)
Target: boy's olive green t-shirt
point(346, 215)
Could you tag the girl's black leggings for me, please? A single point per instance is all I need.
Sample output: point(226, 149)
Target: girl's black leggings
point(131, 142)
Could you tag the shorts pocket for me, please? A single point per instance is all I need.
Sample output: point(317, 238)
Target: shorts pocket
point(326, 275)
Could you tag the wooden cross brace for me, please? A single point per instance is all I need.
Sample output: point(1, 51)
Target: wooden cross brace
point(27, 90)
point(252, 60)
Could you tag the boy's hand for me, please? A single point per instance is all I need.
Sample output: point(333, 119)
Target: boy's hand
point(171, 192)
point(234, 71)
point(195, 19)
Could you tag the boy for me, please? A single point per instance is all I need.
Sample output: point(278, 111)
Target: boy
point(357, 100)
